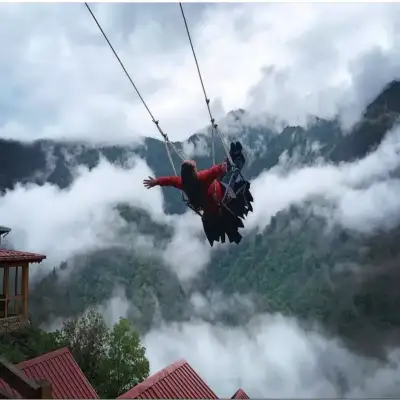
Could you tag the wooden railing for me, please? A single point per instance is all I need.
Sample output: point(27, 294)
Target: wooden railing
point(18, 381)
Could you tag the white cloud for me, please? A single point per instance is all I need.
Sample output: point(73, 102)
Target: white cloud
point(62, 80)
point(63, 223)
point(271, 357)
point(214, 304)
point(115, 308)
point(199, 148)
point(363, 194)
point(188, 252)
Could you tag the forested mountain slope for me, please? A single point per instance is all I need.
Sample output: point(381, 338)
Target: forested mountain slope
point(267, 265)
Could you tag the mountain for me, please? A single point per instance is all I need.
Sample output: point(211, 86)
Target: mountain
point(267, 265)
point(53, 162)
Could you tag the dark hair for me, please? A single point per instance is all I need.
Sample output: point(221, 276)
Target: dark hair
point(191, 185)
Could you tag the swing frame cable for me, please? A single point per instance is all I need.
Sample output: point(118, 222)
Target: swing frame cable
point(167, 142)
point(214, 126)
point(156, 122)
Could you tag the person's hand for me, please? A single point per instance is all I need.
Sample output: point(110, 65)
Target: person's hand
point(149, 183)
point(224, 167)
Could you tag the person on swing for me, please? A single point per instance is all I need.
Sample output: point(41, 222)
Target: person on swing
point(202, 188)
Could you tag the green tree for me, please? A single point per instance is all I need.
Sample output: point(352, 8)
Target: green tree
point(26, 343)
point(113, 360)
point(126, 364)
point(87, 337)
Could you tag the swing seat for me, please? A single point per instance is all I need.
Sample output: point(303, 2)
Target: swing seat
point(237, 197)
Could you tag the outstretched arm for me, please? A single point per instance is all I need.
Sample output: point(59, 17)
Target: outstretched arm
point(174, 181)
point(212, 173)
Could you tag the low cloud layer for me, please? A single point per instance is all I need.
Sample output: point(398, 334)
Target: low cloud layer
point(270, 356)
point(362, 195)
point(63, 223)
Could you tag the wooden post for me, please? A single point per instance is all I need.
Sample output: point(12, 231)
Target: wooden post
point(45, 391)
point(6, 290)
point(3, 292)
point(25, 288)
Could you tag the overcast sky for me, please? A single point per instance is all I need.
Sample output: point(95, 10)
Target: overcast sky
point(59, 79)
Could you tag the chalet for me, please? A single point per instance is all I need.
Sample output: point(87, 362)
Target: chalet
point(14, 285)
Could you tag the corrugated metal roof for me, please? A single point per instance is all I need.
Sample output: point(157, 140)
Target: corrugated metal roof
point(61, 370)
point(240, 394)
point(15, 256)
point(177, 381)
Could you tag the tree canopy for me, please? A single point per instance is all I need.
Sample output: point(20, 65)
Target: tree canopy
point(113, 360)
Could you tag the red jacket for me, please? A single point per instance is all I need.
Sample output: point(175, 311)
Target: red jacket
point(208, 178)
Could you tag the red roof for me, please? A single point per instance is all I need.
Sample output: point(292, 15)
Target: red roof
point(61, 370)
point(177, 381)
point(10, 256)
point(240, 394)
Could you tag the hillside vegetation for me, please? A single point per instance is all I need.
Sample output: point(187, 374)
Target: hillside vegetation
point(267, 265)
